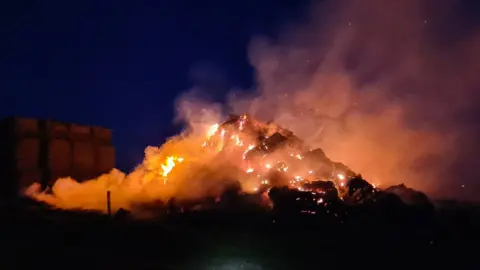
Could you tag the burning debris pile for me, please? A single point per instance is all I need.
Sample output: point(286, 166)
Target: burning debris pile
point(273, 156)
point(240, 157)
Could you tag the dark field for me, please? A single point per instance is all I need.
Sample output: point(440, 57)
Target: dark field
point(34, 238)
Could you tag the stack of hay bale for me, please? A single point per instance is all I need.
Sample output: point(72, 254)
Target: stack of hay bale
point(33, 150)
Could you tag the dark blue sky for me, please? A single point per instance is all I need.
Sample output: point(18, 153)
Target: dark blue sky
point(121, 64)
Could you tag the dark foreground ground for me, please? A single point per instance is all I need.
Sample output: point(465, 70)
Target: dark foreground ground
point(35, 239)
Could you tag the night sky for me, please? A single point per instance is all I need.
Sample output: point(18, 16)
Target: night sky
point(121, 64)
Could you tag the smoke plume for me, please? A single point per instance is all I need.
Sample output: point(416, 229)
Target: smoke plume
point(387, 87)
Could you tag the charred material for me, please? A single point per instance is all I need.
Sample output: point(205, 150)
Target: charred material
point(274, 142)
point(278, 178)
point(325, 189)
point(359, 191)
point(415, 199)
point(288, 201)
point(408, 195)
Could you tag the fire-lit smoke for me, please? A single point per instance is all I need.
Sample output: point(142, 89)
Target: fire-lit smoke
point(387, 87)
point(182, 168)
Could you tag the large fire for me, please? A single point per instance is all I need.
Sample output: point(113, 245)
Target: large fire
point(258, 155)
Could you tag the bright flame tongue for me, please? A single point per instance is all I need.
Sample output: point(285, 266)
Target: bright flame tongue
point(208, 163)
point(212, 130)
point(170, 162)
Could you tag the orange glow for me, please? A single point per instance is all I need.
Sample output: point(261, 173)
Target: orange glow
point(188, 166)
point(168, 166)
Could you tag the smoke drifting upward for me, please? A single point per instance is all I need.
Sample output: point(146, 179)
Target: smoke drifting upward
point(389, 88)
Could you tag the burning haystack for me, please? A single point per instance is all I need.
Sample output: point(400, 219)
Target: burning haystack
point(262, 161)
point(275, 156)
